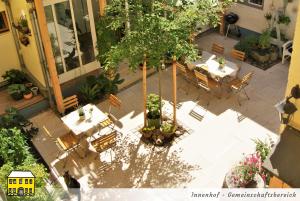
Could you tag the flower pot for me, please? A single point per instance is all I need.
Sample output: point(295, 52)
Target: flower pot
point(81, 117)
point(28, 84)
point(28, 95)
point(17, 96)
point(34, 90)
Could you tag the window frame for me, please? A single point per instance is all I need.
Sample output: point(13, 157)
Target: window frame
point(4, 17)
point(253, 5)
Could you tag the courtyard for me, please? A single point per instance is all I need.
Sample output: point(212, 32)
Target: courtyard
point(220, 136)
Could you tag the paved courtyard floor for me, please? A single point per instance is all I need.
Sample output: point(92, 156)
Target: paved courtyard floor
point(200, 158)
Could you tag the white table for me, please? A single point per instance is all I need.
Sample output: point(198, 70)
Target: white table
point(208, 62)
point(77, 126)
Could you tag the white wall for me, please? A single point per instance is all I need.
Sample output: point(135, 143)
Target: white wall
point(253, 18)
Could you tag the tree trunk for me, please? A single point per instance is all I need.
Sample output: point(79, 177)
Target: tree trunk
point(127, 24)
point(145, 91)
point(159, 93)
point(174, 90)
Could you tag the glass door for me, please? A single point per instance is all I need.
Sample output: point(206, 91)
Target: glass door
point(73, 36)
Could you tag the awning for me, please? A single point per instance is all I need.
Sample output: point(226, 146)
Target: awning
point(284, 160)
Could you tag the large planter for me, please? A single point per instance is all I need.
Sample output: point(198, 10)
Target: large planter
point(28, 95)
point(153, 121)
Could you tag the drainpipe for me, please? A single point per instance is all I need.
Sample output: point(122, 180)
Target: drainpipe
point(42, 59)
point(14, 33)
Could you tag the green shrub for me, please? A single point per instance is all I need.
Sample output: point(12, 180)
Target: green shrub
point(14, 76)
point(167, 127)
point(264, 40)
point(153, 106)
point(246, 44)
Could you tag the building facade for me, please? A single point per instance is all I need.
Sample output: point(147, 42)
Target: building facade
point(20, 183)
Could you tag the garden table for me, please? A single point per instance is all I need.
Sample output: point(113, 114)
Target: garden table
point(209, 63)
point(93, 118)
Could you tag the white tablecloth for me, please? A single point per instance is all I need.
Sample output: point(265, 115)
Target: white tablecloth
point(208, 62)
point(77, 126)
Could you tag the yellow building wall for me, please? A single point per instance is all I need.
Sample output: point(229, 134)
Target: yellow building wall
point(8, 53)
point(294, 72)
point(17, 185)
point(253, 18)
point(30, 52)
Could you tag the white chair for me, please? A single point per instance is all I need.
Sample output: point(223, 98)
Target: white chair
point(287, 49)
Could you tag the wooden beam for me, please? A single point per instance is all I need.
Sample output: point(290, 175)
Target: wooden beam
point(145, 91)
point(174, 68)
point(102, 5)
point(49, 54)
point(222, 24)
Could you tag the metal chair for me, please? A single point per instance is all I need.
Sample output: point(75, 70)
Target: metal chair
point(238, 55)
point(184, 72)
point(115, 102)
point(216, 48)
point(206, 83)
point(104, 143)
point(70, 102)
point(238, 85)
point(287, 49)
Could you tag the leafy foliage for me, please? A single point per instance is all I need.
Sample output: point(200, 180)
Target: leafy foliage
point(263, 148)
point(96, 87)
point(153, 106)
point(167, 127)
point(264, 40)
point(158, 27)
point(14, 76)
point(13, 147)
point(16, 88)
point(247, 44)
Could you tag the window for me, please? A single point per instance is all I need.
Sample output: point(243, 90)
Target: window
point(3, 22)
point(14, 189)
point(26, 181)
point(30, 190)
point(26, 190)
point(256, 2)
point(253, 3)
point(30, 181)
point(15, 181)
point(20, 181)
point(10, 181)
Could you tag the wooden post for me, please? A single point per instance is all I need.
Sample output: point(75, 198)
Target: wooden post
point(174, 68)
point(222, 24)
point(145, 90)
point(102, 5)
point(49, 54)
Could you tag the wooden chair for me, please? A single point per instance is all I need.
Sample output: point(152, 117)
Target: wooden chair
point(184, 72)
point(105, 142)
point(238, 85)
point(206, 83)
point(70, 102)
point(115, 102)
point(67, 143)
point(216, 48)
point(238, 55)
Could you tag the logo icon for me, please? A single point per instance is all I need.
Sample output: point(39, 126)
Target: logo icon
point(20, 183)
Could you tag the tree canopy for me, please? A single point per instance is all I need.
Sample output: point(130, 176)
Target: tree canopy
point(158, 27)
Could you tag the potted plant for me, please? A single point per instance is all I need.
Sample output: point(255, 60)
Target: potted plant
point(27, 94)
point(221, 62)
point(81, 113)
point(16, 91)
point(167, 129)
point(14, 76)
point(153, 107)
point(34, 90)
point(246, 174)
point(148, 131)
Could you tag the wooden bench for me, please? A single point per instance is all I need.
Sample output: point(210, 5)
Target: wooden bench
point(217, 48)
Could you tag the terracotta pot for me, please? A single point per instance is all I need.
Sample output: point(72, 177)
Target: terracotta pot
point(28, 95)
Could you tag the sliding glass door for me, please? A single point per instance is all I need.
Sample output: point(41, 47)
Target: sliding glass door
point(73, 37)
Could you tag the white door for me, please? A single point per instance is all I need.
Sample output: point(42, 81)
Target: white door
point(72, 33)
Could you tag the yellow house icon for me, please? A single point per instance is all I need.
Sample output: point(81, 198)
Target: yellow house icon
point(20, 183)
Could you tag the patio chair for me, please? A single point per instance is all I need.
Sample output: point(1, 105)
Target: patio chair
point(238, 85)
point(66, 143)
point(206, 83)
point(70, 102)
point(216, 48)
point(105, 142)
point(115, 102)
point(184, 72)
point(287, 49)
point(238, 55)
